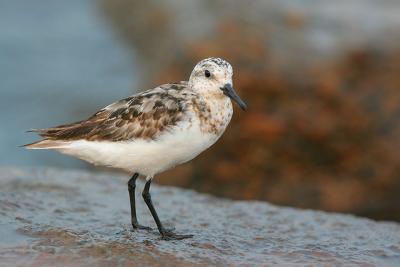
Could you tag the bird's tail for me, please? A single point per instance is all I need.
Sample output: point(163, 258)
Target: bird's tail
point(46, 144)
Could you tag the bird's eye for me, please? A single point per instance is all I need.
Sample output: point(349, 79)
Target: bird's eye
point(207, 73)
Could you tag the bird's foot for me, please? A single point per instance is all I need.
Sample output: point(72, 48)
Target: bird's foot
point(168, 234)
point(137, 226)
point(169, 229)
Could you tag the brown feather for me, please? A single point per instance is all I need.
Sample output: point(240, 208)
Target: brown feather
point(134, 117)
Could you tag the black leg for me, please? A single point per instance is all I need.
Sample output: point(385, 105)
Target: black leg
point(165, 233)
point(131, 189)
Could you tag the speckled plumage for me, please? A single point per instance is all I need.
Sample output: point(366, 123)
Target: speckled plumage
point(154, 130)
point(142, 116)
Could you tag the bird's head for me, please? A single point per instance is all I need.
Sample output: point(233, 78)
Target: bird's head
point(215, 75)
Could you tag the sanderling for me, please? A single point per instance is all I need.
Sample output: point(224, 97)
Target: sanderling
point(152, 131)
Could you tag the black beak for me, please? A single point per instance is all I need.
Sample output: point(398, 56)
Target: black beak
point(229, 91)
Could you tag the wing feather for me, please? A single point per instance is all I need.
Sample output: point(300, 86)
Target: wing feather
point(145, 116)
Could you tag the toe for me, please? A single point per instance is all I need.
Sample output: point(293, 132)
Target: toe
point(169, 230)
point(141, 227)
point(173, 236)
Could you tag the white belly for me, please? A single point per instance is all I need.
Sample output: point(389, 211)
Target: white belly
point(148, 158)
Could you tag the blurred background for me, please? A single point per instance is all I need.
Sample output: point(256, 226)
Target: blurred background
point(321, 78)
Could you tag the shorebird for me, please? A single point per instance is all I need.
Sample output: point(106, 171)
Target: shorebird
point(152, 131)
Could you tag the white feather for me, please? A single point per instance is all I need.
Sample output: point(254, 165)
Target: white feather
point(148, 158)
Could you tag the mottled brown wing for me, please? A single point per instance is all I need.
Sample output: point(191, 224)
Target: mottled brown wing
point(143, 116)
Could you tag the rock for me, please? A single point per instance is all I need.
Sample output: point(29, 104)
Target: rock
point(76, 218)
point(278, 32)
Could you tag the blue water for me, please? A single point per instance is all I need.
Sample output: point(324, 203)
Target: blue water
point(59, 62)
